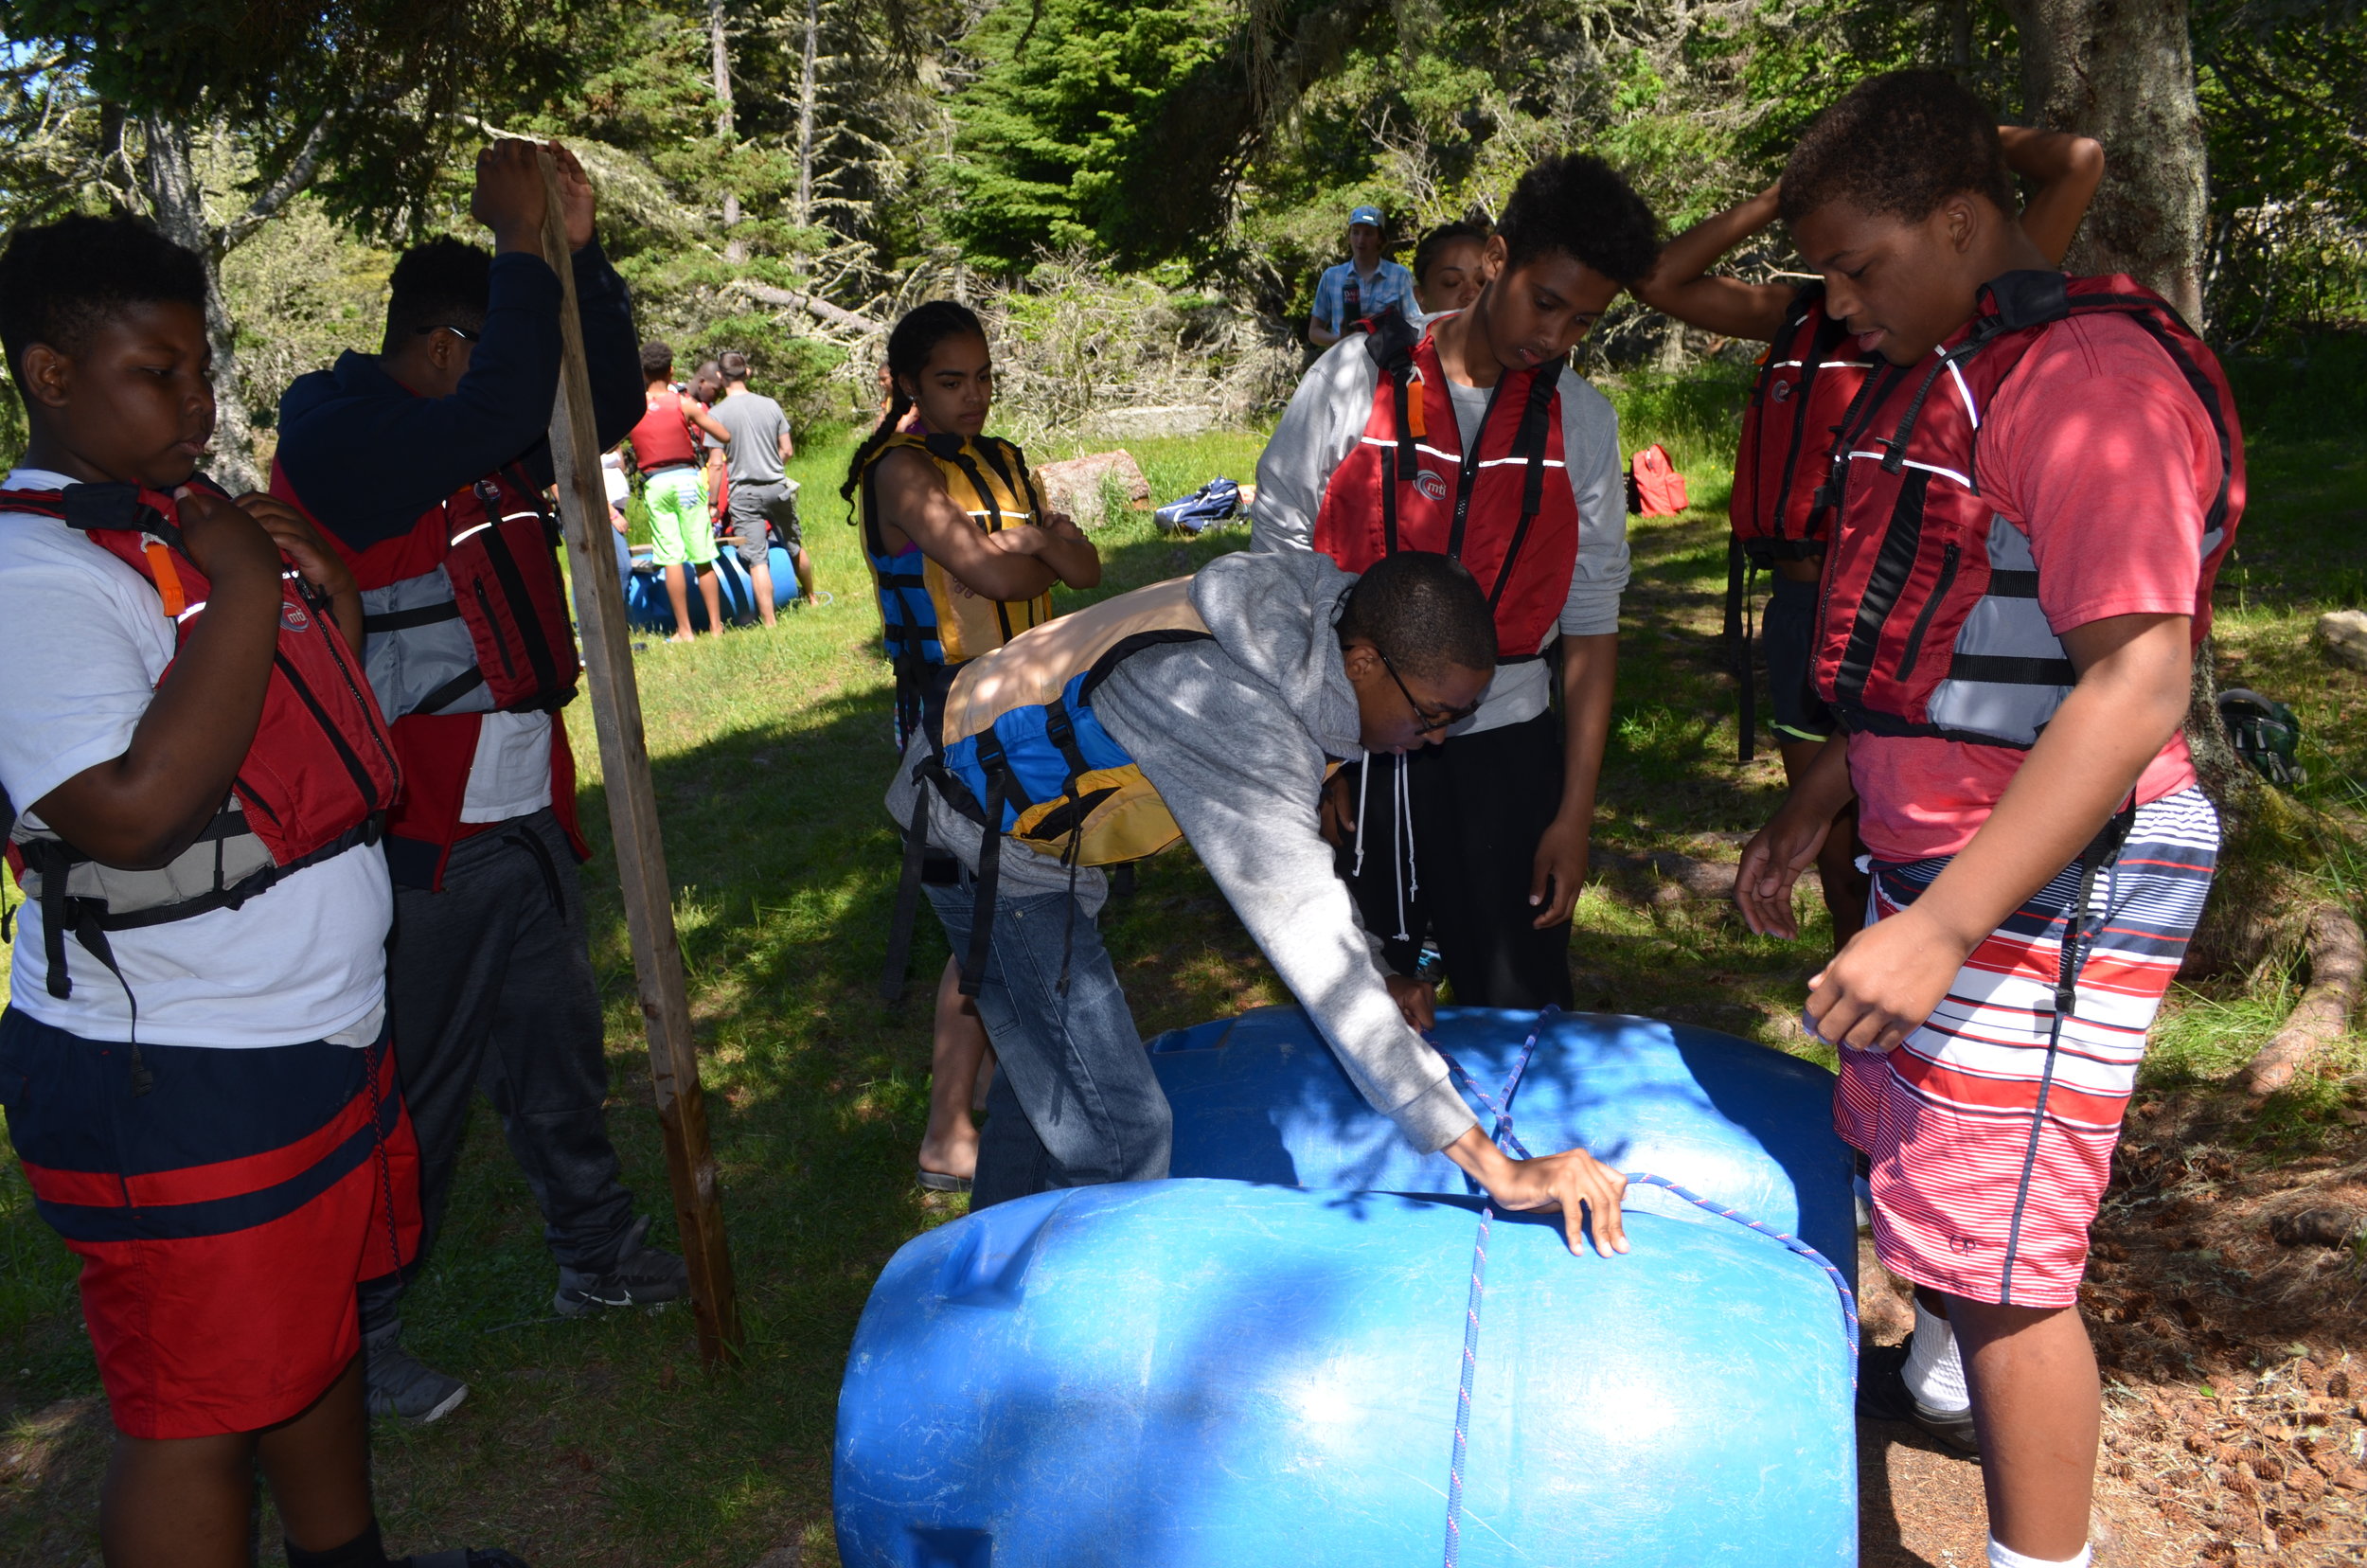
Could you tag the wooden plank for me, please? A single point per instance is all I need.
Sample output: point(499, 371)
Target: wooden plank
point(632, 818)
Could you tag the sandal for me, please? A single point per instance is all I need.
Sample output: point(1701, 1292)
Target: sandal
point(937, 1181)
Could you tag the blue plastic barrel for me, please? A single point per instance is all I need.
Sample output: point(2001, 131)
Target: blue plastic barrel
point(648, 609)
point(1261, 1099)
point(1191, 1374)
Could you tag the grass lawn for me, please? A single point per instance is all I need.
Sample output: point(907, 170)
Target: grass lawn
point(603, 1442)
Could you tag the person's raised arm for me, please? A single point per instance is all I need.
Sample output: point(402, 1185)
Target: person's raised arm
point(1680, 284)
point(696, 412)
point(2064, 172)
point(914, 503)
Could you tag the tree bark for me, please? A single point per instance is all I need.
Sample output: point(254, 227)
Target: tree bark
point(2122, 71)
point(805, 115)
point(176, 204)
point(735, 248)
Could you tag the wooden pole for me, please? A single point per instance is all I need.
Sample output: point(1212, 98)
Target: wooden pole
point(632, 816)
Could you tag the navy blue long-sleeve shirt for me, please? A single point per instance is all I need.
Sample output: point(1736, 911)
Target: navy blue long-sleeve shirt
point(368, 457)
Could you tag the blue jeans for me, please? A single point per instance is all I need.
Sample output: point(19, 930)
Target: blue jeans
point(1074, 1102)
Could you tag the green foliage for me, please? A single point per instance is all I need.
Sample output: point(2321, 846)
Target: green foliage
point(1090, 123)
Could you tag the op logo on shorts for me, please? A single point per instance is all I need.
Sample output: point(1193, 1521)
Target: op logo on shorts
point(291, 616)
point(1430, 483)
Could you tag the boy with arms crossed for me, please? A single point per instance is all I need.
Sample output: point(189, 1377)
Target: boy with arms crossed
point(2008, 636)
point(194, 1061)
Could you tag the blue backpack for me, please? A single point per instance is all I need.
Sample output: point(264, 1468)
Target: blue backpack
point(1213, 503)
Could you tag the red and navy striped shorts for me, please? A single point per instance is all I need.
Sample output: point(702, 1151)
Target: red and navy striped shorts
point(222, 1216)
point(1990, 1133)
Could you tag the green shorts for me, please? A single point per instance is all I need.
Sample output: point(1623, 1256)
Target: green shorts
point(680, 533)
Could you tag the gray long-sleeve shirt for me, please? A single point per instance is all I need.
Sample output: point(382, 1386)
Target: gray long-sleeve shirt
point(1235, 734)
point(1321, 427)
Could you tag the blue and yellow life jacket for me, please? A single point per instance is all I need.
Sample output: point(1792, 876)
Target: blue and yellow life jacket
point(930, 625)
point(1021, 753)
point(1020, 750)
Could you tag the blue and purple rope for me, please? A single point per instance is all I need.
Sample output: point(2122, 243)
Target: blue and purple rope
point(1505, 1139)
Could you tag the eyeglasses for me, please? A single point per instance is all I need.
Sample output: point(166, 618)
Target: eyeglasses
point(1431, 722)
point(461, 333)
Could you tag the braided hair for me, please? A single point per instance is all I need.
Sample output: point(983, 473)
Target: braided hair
point(909, 345)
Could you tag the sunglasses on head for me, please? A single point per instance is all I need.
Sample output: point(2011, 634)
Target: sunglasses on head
point(1432, 720)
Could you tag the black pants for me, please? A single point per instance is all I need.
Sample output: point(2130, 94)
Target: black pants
point(1479, 804)
point(491, 984)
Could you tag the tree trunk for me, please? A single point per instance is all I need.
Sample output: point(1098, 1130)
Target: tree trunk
point(2122, 71)
point(805, 116)
point(735, 248)
point(176, 204)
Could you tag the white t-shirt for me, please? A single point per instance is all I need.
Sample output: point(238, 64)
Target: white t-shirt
point(83, 640)
point(510, 774)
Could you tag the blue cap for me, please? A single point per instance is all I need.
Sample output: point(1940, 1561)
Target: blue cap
point(1366, 214)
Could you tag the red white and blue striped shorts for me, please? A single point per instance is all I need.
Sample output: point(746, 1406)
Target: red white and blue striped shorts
point(223, 1212)
point(1990, 1133)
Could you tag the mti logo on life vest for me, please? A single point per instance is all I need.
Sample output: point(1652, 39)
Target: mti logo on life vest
point(291, 616)
point(1430, 483)
point(1781, 391)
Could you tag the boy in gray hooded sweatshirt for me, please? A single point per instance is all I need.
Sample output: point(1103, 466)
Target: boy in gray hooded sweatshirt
point(1305, 665)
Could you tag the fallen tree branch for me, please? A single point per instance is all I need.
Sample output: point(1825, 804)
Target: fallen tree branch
point(765, 293)
point(2337, 965)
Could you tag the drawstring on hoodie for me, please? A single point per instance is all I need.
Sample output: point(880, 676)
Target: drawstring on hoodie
point(1402, 822)
point(1363, 779)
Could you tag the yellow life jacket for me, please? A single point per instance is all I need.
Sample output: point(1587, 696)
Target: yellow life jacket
point(1023, 754)
point(927, 621)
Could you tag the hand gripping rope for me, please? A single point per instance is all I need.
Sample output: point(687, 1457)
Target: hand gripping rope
point(1500, 1106)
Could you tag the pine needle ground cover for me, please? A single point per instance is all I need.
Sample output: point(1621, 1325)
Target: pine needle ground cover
point(603, 1442)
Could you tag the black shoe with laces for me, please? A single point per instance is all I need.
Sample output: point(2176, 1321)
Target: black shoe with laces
point(1883, 1396)
point(641, 1277)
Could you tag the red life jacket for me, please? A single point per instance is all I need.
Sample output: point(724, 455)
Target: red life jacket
point(465, 615)
point(466, 612)
point(316, 780)
point(664, 439)
point(1932, 624)
point(1505, 504)
point(1807, 380)
point(1655, 489)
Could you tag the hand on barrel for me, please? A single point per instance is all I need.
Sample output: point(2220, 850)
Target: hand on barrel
point(1570, 1181)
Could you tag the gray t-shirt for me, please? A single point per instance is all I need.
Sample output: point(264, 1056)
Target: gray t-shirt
point(756, 424)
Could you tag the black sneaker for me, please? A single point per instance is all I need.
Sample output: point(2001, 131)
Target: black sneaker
point(1882, 1396)
point(396, 1382)
point(641, 1277)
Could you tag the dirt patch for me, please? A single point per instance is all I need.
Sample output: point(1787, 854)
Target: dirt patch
point(2232, 1359)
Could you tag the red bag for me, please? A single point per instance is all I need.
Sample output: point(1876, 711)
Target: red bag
point(1655, 489)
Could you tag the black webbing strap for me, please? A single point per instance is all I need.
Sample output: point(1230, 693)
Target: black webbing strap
point(2102, 851)
point(451, 692)
point(990, 875)
point(405, 620)
point(1401, 388)
point(900, 948)
point(1528, 440)
point(1389, 500)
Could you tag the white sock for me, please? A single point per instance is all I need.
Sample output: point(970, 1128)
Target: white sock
point(1936, 1372)
point(2005, 1557)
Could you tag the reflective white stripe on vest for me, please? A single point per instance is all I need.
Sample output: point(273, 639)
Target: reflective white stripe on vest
point(1455, 460)
point(469, 533)
point(1927, 468)
point(1965, 392)
point(197, 609)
